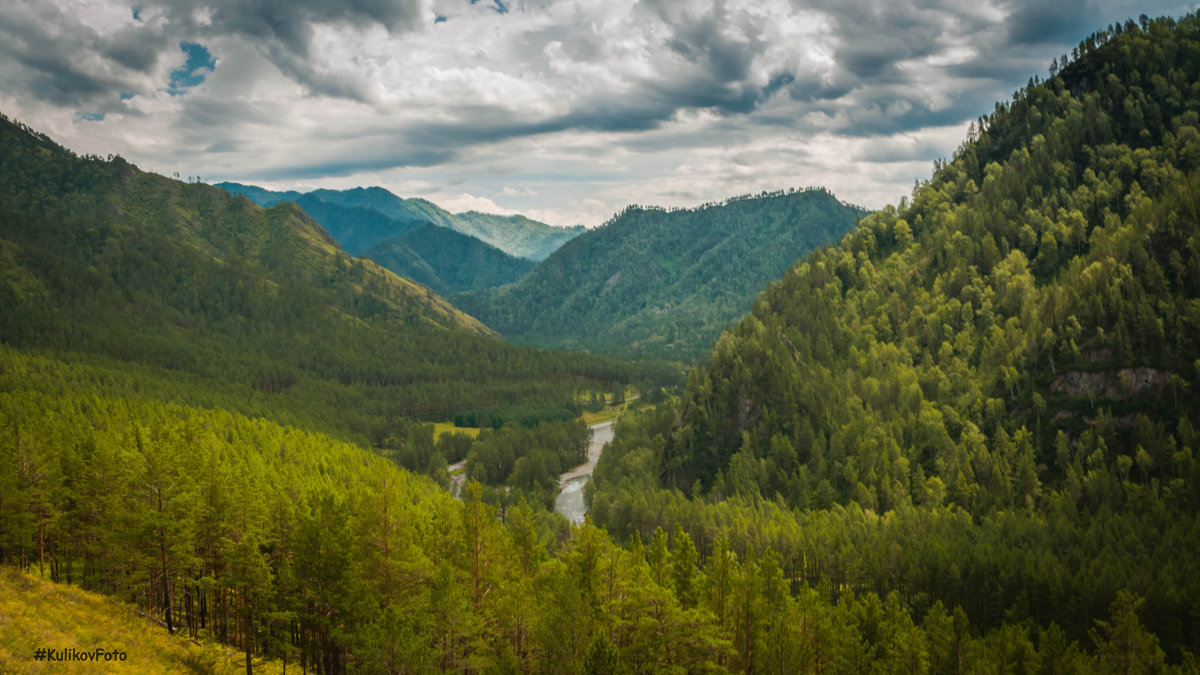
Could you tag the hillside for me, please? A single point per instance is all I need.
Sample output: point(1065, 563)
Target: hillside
point(447, 261)
point(986, 395)
point(295, 550)
point(40, 614)
point(354, 228)
point(661, 282)
point(102, 261)
point(516, 235)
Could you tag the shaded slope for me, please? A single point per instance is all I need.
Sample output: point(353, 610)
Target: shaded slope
point(354, 228)
point(447, 261)
point(662, 282)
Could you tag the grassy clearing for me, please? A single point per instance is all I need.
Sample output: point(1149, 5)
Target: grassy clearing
point(609, 414)
point(36, 613)
point(440, 428)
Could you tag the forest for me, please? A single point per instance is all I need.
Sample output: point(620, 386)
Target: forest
point(986, 395)
point(961, 439)
point(657, 283)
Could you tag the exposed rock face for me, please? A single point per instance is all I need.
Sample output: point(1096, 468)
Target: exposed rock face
point(1112, 385)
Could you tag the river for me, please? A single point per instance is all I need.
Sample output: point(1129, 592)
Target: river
point(570, 497)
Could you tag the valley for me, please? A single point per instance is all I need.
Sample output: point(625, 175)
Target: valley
point(344, 431)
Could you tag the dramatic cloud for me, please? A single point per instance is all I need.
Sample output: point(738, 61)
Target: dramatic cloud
point(565, 110)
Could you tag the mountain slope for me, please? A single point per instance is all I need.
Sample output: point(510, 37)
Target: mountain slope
point(39, 613)
point(447, 261)
point(104, 260)
point(260, 196)
point(661, 282)
point(988, 394)
point(516, 235)
point(354, 228)
point(1045, 274)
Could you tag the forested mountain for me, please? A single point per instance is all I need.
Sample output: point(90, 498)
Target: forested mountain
point(986, 396)
point(516, 235)
point(354, 228)
point(100, 260)
point(447, 261)
point(662, 282)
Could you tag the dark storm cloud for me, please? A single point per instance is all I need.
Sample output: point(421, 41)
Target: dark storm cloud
point(290, 22)
point(308, 89)
point(49, 64)
point(52, 46)
point(1047, 23)
point(372, 162)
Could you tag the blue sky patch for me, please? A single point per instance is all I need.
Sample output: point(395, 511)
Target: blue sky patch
point(186, 77)
point(500, 7)
point(91, 116)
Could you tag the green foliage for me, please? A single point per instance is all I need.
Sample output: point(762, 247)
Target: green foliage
point(105, 262)
point(292, 547)
point(983, 396)
point(447, 261)
point(661, 282)
point(356, 229)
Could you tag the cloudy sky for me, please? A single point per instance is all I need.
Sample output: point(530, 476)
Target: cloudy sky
point(565, 110)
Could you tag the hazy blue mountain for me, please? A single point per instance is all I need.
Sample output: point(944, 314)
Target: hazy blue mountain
point(355, 228)
point(261, 196)
point(516, 235)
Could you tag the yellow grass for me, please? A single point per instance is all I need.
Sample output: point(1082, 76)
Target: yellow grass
point(440, 428)
point(40, 614)
point(607, 415)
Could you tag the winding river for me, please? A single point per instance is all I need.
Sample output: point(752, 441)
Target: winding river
point(570, 496)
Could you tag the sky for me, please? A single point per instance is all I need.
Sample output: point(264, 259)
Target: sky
point(563, 110)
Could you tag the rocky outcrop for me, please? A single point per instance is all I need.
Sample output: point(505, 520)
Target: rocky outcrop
point(1112, 385)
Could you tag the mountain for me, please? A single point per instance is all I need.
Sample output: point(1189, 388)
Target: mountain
point(260, 196)
point(355, 228)
point(985, 396)
point(447, 261)
point(516, 235)
point(661, 282)
point(212, 298)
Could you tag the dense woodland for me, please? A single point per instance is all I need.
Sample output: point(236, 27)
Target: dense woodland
point(661, 282)
point(960, 440)
point(447, 261)
point(102, 262)
point(987, 396)
point(298, 549)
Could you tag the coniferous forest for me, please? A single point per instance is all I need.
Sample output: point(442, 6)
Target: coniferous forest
point(960, 438)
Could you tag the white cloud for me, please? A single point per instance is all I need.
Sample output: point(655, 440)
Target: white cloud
point(564, 110)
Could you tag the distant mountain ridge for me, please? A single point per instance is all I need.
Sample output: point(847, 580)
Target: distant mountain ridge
point(515, 235)
point(661, 282)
